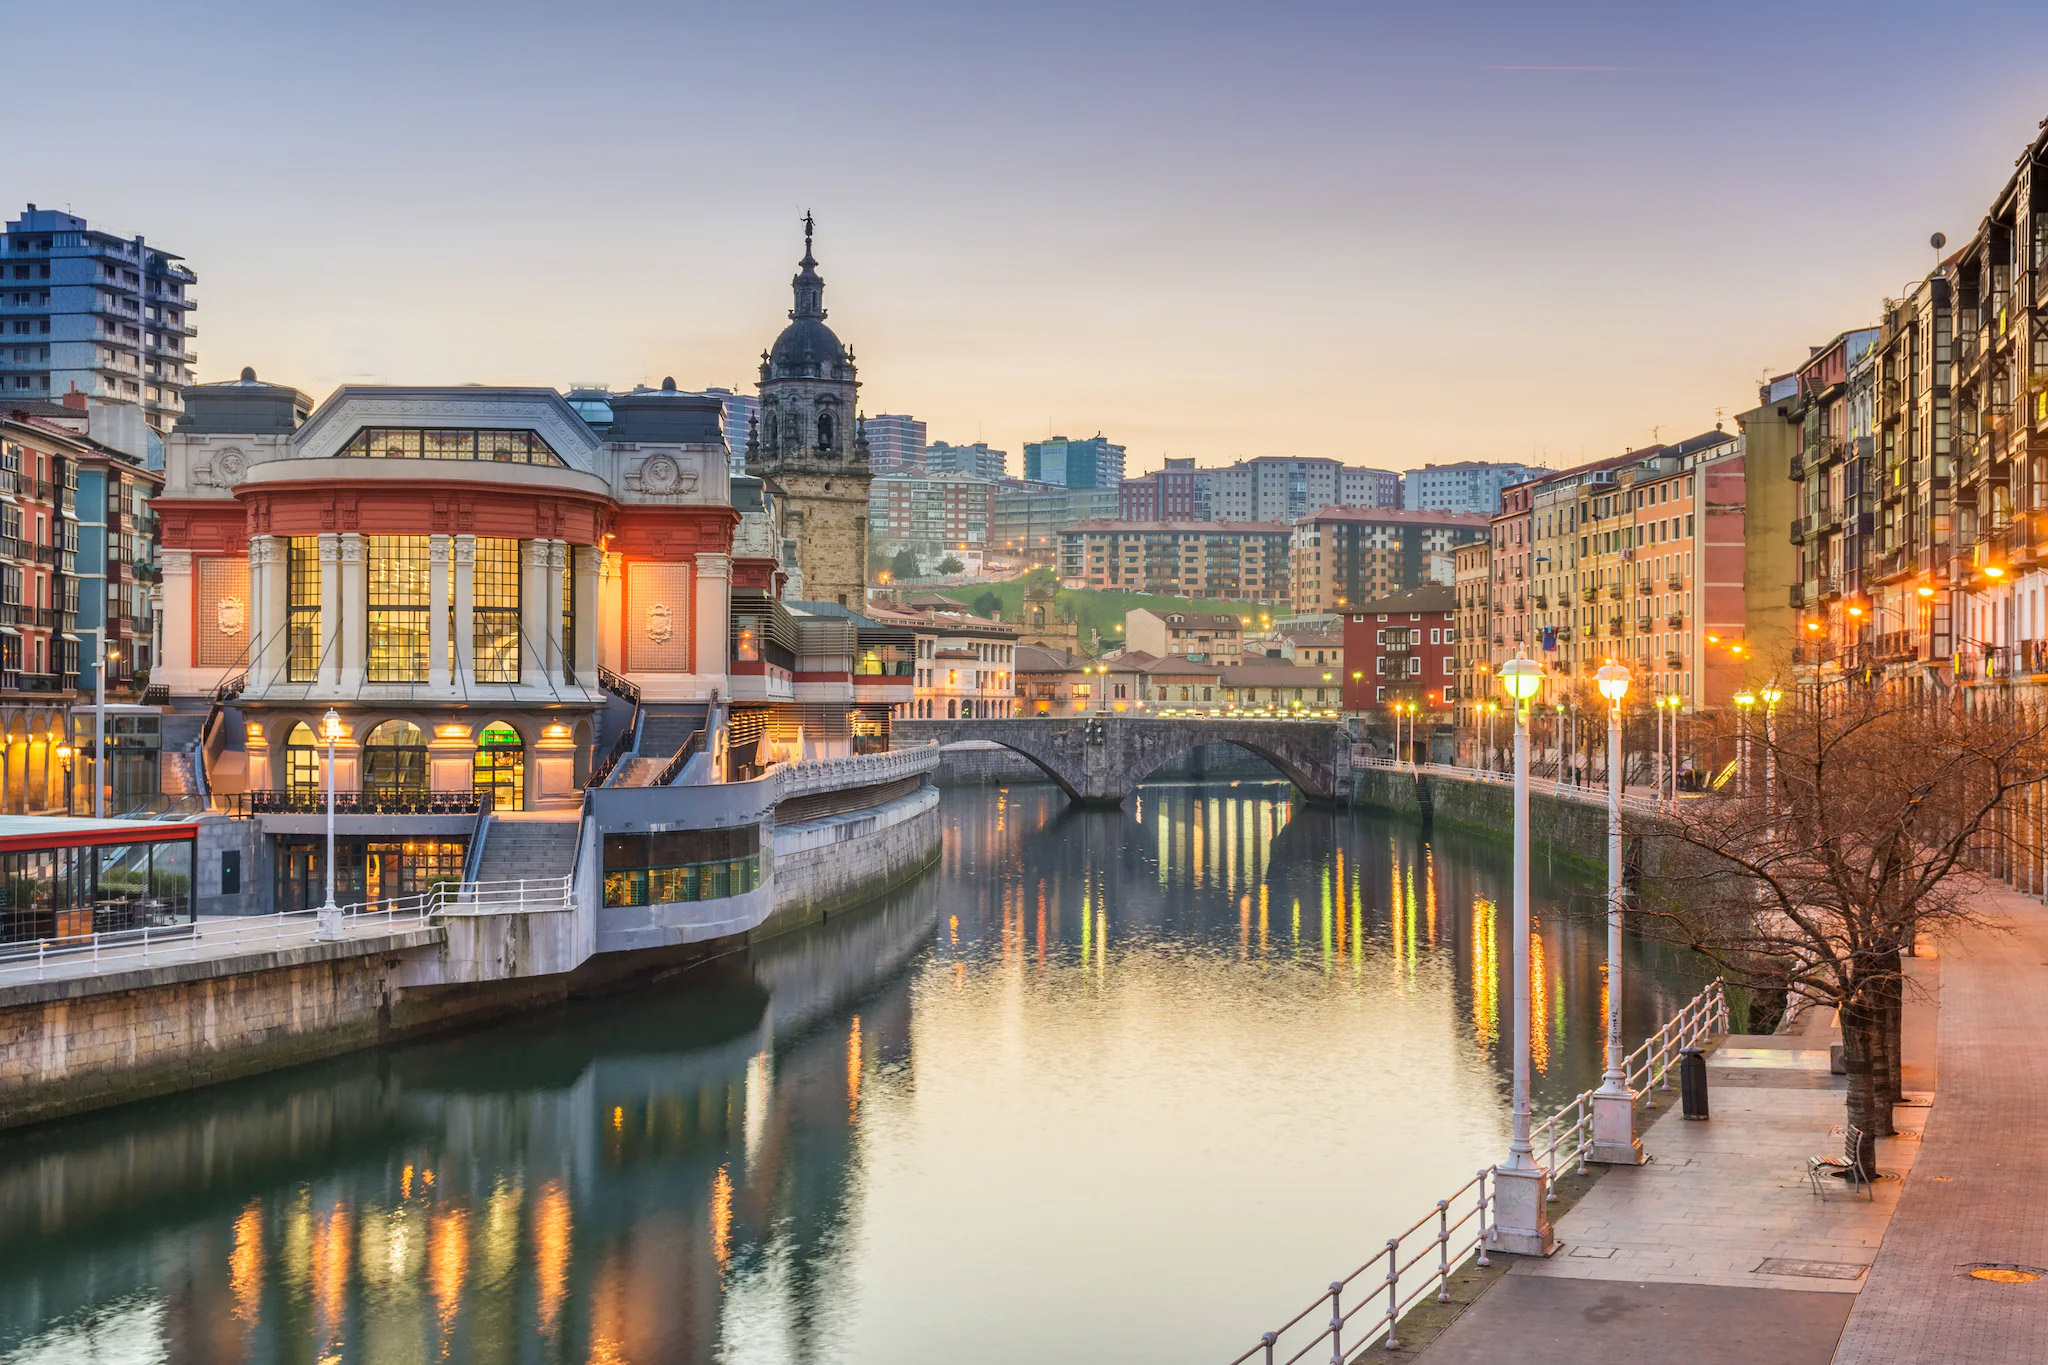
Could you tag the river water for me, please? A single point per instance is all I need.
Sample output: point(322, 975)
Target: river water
point(1106, 1085)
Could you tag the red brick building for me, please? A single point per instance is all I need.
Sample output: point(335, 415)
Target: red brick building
point(1403, 648)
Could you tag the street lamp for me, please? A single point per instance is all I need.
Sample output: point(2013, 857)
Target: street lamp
point(1614, 1107)
point(1521, 1223)
point(327, 924)
point(64, 752)
point(99, 725)
point(1771, 697)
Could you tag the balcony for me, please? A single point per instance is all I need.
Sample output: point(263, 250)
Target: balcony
point(1645, 588)
point(1644, 625)
point(1797, 468)
point(1829, 586)
point(1799, 530)
point(1542, 603)
point(376, 801)
point(1798, 596)
point(1676, 620)
point(1590, 595)
point(1615, 592)
point(1674, 660)
point(1676, 582)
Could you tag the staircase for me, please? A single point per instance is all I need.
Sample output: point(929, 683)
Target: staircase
point(664, 730)
point(176, 775)
point(529, 848)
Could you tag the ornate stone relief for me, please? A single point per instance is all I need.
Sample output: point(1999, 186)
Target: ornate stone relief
point(660, 628)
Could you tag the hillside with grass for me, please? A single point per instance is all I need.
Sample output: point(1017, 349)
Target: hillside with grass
point(1093, 609)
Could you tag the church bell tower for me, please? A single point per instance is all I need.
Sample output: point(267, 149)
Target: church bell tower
point(807, 438)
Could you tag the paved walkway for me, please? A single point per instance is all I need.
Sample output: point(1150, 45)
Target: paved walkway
point(1976, 1195)
point(210, 940)
point(1717, 1250)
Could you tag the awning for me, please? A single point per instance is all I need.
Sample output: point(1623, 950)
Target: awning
point(68, 636)
point(8, 630)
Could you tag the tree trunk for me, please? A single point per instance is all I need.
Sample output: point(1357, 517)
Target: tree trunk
point(1867, 1109)
point(1892, 1079)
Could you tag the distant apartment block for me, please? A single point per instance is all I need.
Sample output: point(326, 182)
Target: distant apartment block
point(895, 443)
point(933, 514)
point(1340, 556)
point(1271, 488)
point(85, 311)
point(1471, 486)
point(1029, 517)
point(941, 457)
point(1093, 463)
point(1225, 561)
point(1178, 492)
point(1198, 636)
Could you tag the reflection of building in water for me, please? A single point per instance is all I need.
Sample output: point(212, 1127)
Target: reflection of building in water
point(610, 1183)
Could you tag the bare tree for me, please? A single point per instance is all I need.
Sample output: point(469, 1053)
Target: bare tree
point(1848, 836)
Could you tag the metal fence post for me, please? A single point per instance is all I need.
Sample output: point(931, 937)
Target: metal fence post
point(1267, 1339)
point(1443, 1251)
point(1482, 1217)
point(41, 945)
point(1336, 1323)
point(1393, 1291)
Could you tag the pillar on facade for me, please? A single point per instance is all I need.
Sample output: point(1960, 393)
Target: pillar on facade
point(465, 607)
point(355, 624)
point(330, 612)
point(611, 597)
point(437, 613)
point(269, 611)
point(558, 648)
point(584, 566)
point(533, 612)
point(713, 599)
point(176, 660)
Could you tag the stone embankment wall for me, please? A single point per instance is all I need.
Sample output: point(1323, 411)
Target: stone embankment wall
point(978, 766)
point(1575, 830)
point(72, 1045)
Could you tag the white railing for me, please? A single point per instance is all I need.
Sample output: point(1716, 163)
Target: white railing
point(93, 954)
point(1589, 794)
point(1432, 1248)
point(857, 770)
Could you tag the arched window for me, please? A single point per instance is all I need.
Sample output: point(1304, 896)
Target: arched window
point(301, 761)
point(826, 432)
point(395, 761)
point(501, 767)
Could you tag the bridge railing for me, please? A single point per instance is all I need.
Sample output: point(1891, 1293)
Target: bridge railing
point(1594, 794)
point(1366, 1306)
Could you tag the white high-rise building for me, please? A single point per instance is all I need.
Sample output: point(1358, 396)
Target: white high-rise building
point(86, 311)
point(1467, 486)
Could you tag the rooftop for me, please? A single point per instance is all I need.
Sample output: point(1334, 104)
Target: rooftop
point(1406, 516)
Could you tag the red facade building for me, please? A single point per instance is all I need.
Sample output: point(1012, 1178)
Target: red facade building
point(1403, 648)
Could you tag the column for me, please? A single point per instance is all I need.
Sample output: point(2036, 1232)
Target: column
point(437, 613)
point(178, 604)
point(465, 606)
point(713, 598)
point(269, 609)
point(551, 608)
point(354, 622)
point(533, 612)
point(330, 612)
point(590, 618)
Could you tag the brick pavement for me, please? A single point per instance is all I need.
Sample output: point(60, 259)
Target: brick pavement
point(1974, 1196)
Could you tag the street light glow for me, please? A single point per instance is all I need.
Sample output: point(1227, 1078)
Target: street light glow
point(1613, 679)
point(1521, 677)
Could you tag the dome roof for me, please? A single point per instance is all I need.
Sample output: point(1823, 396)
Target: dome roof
point(806, 347)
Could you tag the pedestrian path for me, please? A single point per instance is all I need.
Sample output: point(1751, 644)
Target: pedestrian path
point(1975, 1195)
point(1717, 1249)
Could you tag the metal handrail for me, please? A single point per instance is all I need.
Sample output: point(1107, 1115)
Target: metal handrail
point(1595, 794)
point(1565, 1136)
point(627, 742)
point(692, 746)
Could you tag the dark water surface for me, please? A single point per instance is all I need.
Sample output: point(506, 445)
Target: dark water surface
point(1124, 1085)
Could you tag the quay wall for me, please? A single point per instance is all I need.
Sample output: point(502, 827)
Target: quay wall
point(74, 1044)
point(1566, 829)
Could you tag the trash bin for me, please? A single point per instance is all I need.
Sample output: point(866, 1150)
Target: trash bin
point(1692, 1083)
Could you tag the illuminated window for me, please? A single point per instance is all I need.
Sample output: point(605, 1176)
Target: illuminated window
point(451, 443)
point(396, 607)
point(501, 767)
point(495, 618)
point(302, 615)
point(301, 762)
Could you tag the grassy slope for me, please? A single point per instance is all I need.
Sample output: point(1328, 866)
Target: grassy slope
point(1103, 611)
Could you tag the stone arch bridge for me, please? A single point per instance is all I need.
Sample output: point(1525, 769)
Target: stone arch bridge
point(1098, 759)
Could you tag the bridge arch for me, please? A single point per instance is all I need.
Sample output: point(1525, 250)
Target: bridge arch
point(1022, 750)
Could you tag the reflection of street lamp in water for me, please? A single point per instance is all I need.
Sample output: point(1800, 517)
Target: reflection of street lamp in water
point(327, 923)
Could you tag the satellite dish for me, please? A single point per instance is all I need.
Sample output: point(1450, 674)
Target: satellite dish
point(1938, 241)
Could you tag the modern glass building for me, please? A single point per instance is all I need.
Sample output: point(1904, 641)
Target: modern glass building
point(65, 880)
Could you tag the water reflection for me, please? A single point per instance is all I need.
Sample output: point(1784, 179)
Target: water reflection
point(1095, 1067)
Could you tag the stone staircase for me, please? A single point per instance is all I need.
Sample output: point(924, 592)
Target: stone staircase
point(176, 775)
point(530, 848)
point(663, 731)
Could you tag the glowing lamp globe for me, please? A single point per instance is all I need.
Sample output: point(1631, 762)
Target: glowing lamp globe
point(1771, 695)
point(1521, 678)
point(1745, 699)
point(330, 725)
point(1613, 680)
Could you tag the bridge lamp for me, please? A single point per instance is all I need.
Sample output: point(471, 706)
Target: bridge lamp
point(1521, 1186)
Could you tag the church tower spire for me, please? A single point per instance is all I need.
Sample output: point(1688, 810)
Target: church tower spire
point(808, 439)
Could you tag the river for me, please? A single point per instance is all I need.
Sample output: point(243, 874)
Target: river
point(1105, 1085)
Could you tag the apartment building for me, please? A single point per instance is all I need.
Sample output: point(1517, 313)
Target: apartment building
point(1029, 518)
point(1273, 488)
point(1198, 636)
point(1176, 492)
point(1094, 463)
point(1464, 486)
point(1833, 409)
point(930, 514)
point(1471, 585)
point(84, 311)
point(1221, 560)
point(1339, 556)
point(965, 666)
point(1403, 649)
point(1511, 560)
point(896, 443)
point(942, 457)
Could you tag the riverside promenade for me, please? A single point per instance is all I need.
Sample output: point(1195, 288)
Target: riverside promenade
point(1717, 1250)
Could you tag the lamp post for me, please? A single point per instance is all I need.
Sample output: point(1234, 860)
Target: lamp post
point(1657, 786)
point(327, 923)
point(99, 725)
point(1677, 711)
point(1745, 702)
point(64, 756)
point(1771, 697)
point(1521, 1222)
point(1614, 1105)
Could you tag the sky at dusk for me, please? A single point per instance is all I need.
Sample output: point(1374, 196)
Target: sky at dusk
point(1381, 233)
